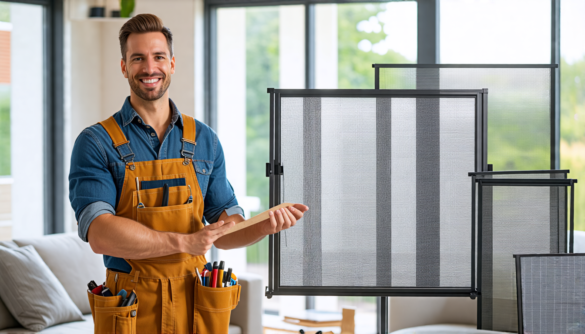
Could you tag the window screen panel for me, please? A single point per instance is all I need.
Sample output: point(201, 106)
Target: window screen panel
point(528, 218)
point(519, 134)
point(552, 293)
point(386, 180)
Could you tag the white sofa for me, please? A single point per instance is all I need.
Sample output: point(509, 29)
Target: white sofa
point(74, 264)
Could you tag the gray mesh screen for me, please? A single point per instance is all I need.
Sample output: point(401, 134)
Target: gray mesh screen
point(387, 186)
point(519, 105)
point(552, 293)
point(515, 219)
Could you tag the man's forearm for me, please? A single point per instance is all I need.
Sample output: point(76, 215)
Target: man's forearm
point(128, 239)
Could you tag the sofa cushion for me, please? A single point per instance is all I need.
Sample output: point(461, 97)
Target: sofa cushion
point(72, 261)
point(6, 318)
point(8, 244)
point(31, 291)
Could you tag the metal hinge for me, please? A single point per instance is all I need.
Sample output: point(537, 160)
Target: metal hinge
point(279, 169)
point(268, 293)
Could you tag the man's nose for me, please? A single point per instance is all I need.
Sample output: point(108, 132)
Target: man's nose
point(149, 66)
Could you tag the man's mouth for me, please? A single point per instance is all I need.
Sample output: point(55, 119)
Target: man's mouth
point(150, 82)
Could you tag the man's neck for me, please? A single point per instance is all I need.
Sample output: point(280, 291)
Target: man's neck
point(154, 113)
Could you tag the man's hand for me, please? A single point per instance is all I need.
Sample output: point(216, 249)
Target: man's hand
point(282, 219)
point(200, 242)
point(277, 221)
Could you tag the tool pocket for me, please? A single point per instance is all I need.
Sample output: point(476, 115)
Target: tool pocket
point(109, 318)
point(213, 307)
point(148, 210)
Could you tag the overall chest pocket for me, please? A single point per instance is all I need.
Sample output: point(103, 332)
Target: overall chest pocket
point(177, 216)
point(203, 171)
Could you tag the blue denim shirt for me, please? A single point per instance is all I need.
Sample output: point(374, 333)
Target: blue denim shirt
point(97, 172)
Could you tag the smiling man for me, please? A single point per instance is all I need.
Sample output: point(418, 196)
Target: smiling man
point(143, 184)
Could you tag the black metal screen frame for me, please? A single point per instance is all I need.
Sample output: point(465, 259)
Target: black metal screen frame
point(275, 169)
point(518, 258)
point(477, 199)
point(554, 98)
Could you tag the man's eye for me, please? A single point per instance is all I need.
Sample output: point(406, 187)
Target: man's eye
point(137, 59)
point(160, 57)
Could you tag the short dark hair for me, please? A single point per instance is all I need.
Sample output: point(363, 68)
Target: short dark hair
point(142, 23)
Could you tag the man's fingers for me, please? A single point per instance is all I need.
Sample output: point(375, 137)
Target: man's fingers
point(287, 221)
point(220, 229)
point(291, 217)
point(302, 208)
point(215, 226)
point(273, 223)
point(280, 219)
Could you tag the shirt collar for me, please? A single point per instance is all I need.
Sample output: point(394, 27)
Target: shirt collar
point(129, 114)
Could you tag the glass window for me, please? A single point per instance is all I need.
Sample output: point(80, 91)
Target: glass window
point(21, 120)
point(495, 31)
point(573, 99)
point(352, 37)
point(257, 48)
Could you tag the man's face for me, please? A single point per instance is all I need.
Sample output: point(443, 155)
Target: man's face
point(148, 65)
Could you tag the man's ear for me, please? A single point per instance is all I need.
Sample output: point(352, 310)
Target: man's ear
point(123, 67)
point(173, 65)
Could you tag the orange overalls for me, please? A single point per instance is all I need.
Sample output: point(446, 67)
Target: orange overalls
point(169, 296)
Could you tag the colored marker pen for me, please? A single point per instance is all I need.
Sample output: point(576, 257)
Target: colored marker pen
point(214, 275)
point(228, 277)
point(204, 275)
point(220, 274)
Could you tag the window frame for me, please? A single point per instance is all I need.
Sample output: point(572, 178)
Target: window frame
point(53, 114)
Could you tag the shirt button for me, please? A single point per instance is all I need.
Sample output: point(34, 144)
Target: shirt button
point(139, 121)
point(204, 171)
point(152, 134)
point(148, 127)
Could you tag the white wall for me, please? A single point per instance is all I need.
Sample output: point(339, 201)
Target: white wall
point(26, 117)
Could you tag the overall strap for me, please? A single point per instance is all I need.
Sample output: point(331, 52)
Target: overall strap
point(121, 144)
point(189, 143)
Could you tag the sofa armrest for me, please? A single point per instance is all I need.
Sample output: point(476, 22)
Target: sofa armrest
point(248, 314)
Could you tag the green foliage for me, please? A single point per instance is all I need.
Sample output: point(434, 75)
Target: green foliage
point(354, 65)
point(126, 8)
point(5, 130)
point(4, 11)
point(262, 71)
point(573, 101)
point(573, 130)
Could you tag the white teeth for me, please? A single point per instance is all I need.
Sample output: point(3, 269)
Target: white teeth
point(150, 81)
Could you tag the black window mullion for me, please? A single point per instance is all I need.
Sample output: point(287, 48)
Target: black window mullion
point(54, 131)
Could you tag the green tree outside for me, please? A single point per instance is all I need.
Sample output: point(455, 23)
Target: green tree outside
point(573, 130)
point(262, 72)
point(5, 130)
point(5, 155)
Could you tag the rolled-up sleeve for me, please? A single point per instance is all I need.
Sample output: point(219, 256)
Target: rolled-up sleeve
point(220, 194)
point(92, 190)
